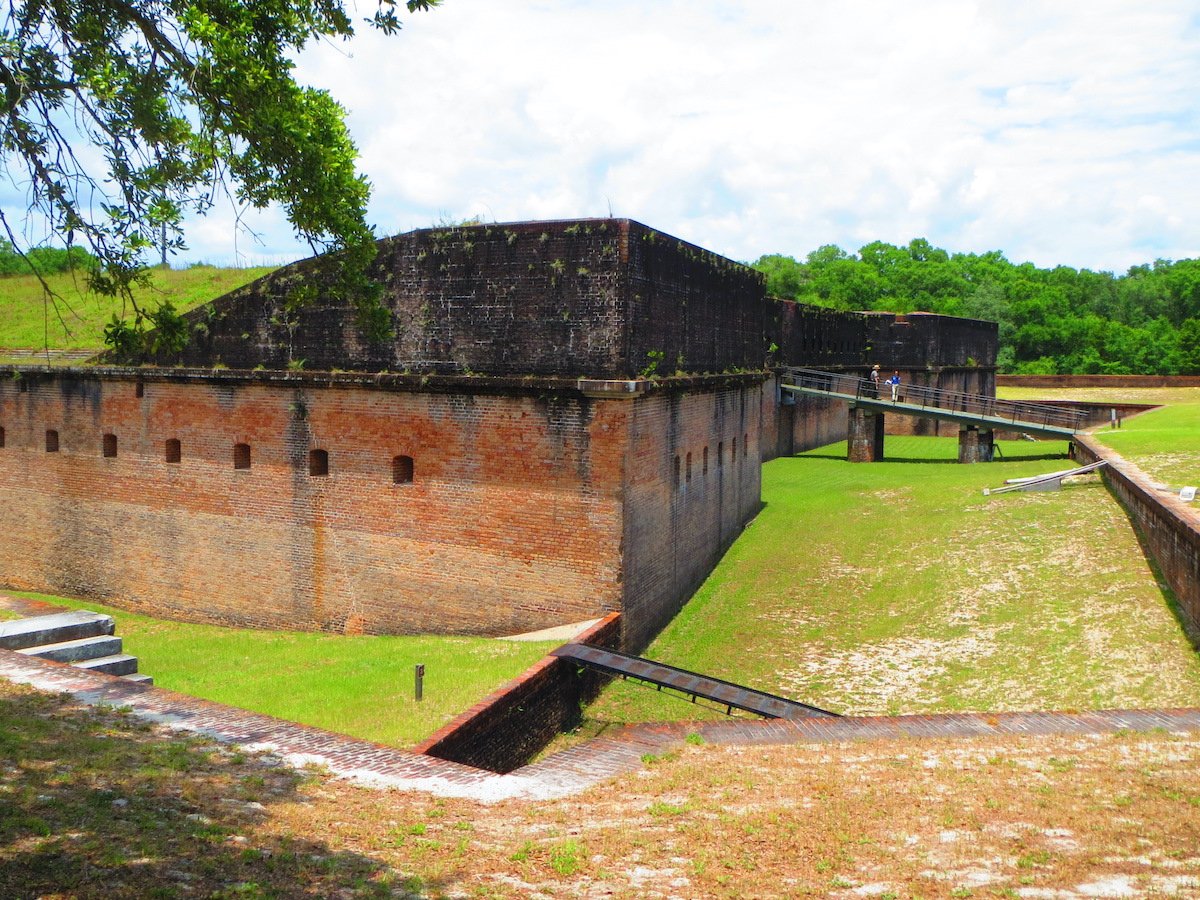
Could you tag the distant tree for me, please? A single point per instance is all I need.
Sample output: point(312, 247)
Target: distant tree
point(46, 260)
point(180, 100)
point(1051, 321)
point(1189, 347)
point(785, 276)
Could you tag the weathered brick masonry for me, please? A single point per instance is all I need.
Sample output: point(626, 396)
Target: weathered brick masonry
point(602, 298)
point(508, 727)
point(528, 452)
point(941, 352)
point(530, 503)
point(1098, 381)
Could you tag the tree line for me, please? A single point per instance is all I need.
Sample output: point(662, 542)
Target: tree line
point(1052, 321)
point(44, 260)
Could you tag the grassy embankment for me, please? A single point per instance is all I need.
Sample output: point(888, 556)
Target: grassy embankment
point(26, 321)
point(1164, 443)
point(357, 685)
point(898, 588)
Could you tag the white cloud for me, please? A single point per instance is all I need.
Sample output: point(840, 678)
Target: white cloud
point(1060, 133)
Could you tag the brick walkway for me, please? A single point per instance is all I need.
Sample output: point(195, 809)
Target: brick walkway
point(565, 773)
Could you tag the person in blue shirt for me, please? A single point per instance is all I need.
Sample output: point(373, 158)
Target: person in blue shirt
point(894, 381)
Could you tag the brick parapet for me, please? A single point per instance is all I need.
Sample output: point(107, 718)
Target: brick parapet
point(1168, 527)
point(511, 725)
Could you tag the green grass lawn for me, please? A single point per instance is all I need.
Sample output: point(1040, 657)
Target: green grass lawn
point(1164, 443)
point(897, 587)
point(356, 685)
point(27, 321)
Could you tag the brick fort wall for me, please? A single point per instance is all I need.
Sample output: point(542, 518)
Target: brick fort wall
point(598, 298)
point(443, 507)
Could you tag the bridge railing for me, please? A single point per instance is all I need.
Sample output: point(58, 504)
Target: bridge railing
point(1013, 411)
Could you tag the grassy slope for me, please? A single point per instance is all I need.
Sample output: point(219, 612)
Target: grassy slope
point(358, 685)
point(26, 321)
point(1164, 443)
point(899, 588)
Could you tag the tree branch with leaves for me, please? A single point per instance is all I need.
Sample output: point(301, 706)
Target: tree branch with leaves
point(120, 117)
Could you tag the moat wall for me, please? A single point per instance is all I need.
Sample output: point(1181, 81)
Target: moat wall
point(1165, 525)
point(1098, 381)
point(510, 726)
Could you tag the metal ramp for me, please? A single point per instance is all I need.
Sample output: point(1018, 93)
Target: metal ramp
point(731, 696)
point(978, 410)
point(1049, 482)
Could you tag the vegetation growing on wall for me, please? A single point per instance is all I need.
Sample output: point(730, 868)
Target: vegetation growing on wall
point(1052, 321)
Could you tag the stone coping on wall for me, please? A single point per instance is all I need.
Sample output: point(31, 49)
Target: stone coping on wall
point(598, 388)
point(1161, 495)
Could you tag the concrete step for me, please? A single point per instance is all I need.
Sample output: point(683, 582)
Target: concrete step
point(139, 678)
point(55, 628)
point(117, 664)
point(74, 651)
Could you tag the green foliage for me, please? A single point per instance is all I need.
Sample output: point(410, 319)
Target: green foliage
point(1059, 320)
point(180, 101)
point(653, 359)
point(158, 332)
point(44, 260)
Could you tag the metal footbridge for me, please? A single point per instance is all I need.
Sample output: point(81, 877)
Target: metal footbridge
point(731, 696)
point(978, 410)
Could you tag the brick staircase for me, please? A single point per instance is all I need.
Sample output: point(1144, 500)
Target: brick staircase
point(80, 638)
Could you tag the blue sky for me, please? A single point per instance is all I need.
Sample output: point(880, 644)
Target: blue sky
point(1059, 133)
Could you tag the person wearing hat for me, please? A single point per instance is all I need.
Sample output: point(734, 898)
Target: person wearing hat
point(875, 381)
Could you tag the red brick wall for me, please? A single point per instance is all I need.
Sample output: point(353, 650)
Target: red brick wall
point(518, 516)
point(675, 533)
point(970, 380)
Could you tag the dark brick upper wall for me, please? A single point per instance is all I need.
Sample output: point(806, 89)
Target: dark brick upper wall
point(541, 298)
point(589, 297)
point(925, 339)
point(693, 310)
point(599, 298)
point(815, 337)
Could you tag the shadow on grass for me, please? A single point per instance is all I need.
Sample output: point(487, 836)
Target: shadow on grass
point(98, 804)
